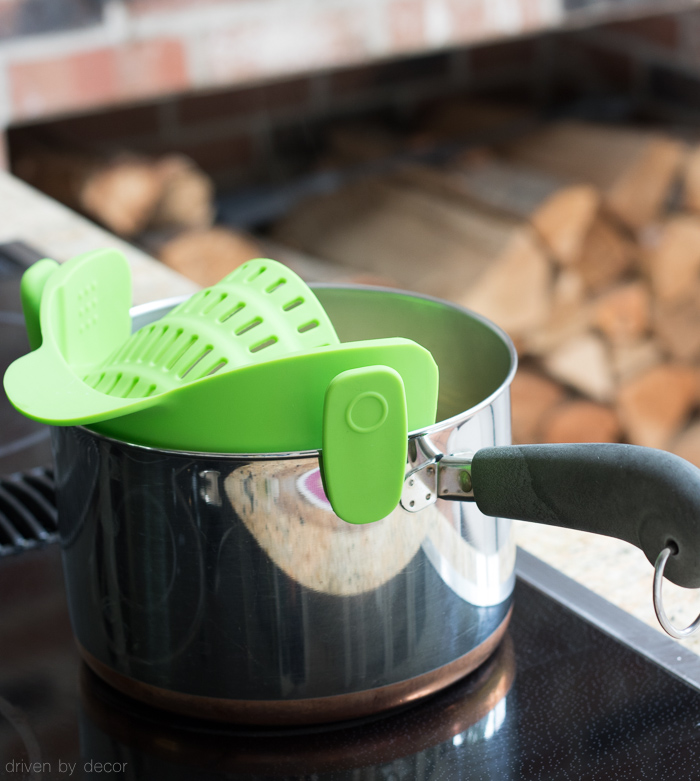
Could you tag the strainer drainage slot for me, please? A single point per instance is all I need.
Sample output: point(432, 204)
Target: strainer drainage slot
point(257, 273)
point(231, 312)
point(197, 360)
point(275, 285)
point(114, 384)
point(308, 326)
point(131, 387)
point(154, 344)
point(262, 345)
point(293, 304)
point(248, 326)
point(218, 366)
point(182, 352)
point(214, 303)
point(160, 358)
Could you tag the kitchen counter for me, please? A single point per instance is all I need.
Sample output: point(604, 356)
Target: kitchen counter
point(613, 569)
point(29, 216)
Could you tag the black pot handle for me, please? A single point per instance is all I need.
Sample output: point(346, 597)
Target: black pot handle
point(647, 497)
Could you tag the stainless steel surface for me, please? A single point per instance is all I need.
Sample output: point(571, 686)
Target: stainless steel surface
point(229, 576)
point(664, 620)
point(420, 487)
point(446, 477)
point(455, 477)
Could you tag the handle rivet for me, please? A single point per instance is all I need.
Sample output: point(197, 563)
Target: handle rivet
point(465, 481)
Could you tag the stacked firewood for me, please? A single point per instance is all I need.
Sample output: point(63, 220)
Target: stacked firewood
point(582, 241)
point(165, 204)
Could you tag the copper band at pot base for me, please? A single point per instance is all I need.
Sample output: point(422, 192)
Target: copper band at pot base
point(314, 710)
point(298, 753)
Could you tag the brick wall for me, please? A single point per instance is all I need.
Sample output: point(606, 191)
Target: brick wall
point(61, 57)
point(272, 130)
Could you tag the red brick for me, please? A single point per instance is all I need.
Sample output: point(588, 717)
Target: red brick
point(73, 82)
point(509, 54)
point(469, 21)
point(406, 25)
point(535, 15)
point(152, 67)
point(96, 78)
point(660, 30)
point(232, 103)
point(284, 46)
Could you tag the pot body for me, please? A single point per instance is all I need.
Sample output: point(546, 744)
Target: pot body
point(224, 585)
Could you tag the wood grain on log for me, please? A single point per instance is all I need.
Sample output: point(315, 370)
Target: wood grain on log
point(206, 256)
point(632, 169)
point(654, 406)
point(624, 314)
point(431, 243)
point(673, 263)
point(579, 420)
point(583, 363)
point(606, 255)
point(532, 396)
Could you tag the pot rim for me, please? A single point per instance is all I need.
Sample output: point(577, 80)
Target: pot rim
point(451, 422)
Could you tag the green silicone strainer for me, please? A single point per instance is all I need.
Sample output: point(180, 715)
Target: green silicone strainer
point(259, 312)
point(252, 365)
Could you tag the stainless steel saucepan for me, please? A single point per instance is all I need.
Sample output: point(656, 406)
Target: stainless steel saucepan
point(224, 585)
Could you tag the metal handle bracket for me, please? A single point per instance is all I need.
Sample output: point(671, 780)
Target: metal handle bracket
point(442, 477)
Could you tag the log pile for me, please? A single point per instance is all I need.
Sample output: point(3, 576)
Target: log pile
point(580, 240)
point(164, 204)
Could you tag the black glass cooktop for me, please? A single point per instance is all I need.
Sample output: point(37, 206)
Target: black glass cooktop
point(560, 699)
point(578, 689)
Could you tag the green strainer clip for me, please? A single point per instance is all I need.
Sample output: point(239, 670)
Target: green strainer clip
point(251, 365)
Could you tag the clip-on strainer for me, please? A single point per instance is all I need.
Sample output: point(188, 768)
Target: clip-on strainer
point(259, 312)
point(200, 378)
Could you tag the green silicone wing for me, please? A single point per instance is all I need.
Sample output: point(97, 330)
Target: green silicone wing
point(76, 314)
point(276, 406)
point(31, 290)
point(364, 443)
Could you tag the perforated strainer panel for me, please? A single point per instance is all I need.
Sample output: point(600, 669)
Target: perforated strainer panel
point(259, 312)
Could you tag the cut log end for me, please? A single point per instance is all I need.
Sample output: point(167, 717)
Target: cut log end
point(581, 421)
point(656, 404)
point(584, 364)
point(207, 256)
point(532, 396)
point(624, 314)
